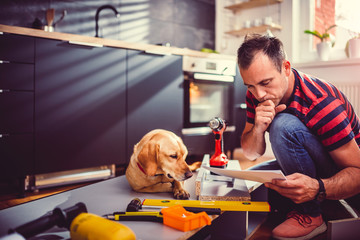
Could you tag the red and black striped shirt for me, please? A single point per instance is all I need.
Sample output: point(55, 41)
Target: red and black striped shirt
point(322, 107)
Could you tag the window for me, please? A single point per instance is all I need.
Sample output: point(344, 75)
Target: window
point(321, 14)
point(347, 19)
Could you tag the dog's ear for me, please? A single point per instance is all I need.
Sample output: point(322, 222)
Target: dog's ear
point(148, 158)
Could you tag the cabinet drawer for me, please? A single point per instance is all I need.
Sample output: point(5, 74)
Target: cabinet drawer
point(17, 48)
point(17, 155)
point(16, 111)
point(16, 76)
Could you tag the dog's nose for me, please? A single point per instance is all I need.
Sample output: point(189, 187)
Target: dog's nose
point(188, 174)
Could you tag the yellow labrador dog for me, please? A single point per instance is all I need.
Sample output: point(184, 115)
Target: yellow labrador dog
point(158, 164)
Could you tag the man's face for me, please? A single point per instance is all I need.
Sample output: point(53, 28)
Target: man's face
point(264, 80)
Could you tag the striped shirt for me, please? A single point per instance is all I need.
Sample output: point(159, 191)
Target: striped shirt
point(321, 107)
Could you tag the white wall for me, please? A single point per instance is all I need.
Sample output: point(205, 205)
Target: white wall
point(227, 20)
point(337, 72)
point(286, 14)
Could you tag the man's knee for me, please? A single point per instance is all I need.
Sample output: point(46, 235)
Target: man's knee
point(284, 126)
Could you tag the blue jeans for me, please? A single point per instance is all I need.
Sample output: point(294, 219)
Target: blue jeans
point(296, 149)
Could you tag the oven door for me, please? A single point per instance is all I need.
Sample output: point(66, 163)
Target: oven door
point(207, 96)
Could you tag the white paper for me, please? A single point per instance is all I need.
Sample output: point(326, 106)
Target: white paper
point(252, 175)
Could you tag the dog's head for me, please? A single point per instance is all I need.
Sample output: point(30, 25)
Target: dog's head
point(164, 153)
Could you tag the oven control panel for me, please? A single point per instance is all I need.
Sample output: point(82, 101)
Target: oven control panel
point(209, 65)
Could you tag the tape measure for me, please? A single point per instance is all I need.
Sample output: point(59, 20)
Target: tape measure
point(223, 205)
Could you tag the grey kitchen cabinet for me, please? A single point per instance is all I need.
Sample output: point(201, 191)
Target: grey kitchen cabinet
point(16, 48)
point(155, 96)
point(67, 106)
point(80, 106)
point(16, 106)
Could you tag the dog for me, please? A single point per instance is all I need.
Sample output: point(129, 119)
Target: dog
point(157, 164)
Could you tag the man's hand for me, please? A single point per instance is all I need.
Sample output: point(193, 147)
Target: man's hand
point(265, 113)
point(297, 187)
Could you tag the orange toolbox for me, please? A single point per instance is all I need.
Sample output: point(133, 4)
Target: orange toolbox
point(177, 217)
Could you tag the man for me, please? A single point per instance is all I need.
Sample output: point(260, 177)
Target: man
point(314, 134)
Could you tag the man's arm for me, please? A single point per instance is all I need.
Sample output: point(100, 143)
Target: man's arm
point(346, 183)
point(252, 139)
point(252, 143)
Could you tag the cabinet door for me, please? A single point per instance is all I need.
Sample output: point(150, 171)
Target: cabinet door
point(79, 106)
point(17, 76)
point(16, 48)
point(16, 134)
point(16, 154)
point(16, 105)
point(16, 111)
point(155, 95)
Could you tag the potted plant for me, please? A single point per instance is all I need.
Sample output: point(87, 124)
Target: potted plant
point(327, 41)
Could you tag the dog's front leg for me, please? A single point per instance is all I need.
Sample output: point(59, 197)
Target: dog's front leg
point(158, 187)
point(179, 191)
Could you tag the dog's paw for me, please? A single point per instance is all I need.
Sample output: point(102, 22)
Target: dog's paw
point(181, 194)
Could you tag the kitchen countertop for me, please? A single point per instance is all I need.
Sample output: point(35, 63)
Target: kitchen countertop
point(114, 195)
point(100, 198)
point(155, 49)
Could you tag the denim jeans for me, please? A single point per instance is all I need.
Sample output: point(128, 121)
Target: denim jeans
point(296, 149)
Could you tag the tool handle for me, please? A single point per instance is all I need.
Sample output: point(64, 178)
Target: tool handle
point(134, 205)
point(37, 226)
point(62, 218)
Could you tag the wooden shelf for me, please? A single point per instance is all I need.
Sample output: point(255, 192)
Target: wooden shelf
point(252, 4)
point(259, 29)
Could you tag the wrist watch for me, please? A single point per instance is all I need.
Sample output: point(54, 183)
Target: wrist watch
point(321, 195)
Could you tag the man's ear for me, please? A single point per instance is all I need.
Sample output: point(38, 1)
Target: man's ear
point(148, 158)
point(287, 67)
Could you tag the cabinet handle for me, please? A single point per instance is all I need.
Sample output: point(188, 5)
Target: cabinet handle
point(86, 44)
point(2, 61)
point(2, 135)
point(4, 90)
point(151, 52)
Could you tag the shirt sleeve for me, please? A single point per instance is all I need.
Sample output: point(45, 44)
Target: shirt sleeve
point(250, 108)
point(329, 120)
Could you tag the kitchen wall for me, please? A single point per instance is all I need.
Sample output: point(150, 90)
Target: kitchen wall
point(339, 72)
point(227, 20)
point(182, 23)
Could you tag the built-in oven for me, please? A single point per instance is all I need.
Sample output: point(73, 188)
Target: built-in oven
point(208, 93)
point(208, 90)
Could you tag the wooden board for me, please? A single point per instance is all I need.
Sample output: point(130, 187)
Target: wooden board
point(258, 29)
point(210, 187)
point(252, 4)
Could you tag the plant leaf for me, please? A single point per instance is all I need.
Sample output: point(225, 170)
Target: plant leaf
point(315, 33)
point(328, 29)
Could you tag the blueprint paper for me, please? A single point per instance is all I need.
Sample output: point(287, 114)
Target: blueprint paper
point(252, 175)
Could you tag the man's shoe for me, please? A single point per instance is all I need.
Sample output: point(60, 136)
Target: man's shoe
point(299, 226)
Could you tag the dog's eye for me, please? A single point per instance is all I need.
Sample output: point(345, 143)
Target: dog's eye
point(173, 156)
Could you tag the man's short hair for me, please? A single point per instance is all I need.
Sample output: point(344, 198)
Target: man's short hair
point(254, 43)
